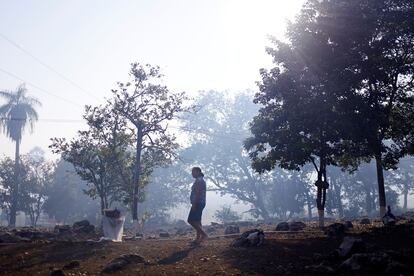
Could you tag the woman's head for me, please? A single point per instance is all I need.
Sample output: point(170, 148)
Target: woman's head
point(196, 172)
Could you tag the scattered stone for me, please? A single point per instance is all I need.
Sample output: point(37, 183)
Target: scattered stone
point(320, 269)
point(182, 231)
point(365, 221)
point(83, 226)
point(245, 223)
point(282, 226)
point(60, 229)
point(152, 237)
point(249, 238)
point(335, 230)
point(351, 245)
point(360, 261)
point(71, 265)
point(296, 226)
point(232, 229)
point(164, 235)
point(10, 238)
point(211, 229)
point(122, 261)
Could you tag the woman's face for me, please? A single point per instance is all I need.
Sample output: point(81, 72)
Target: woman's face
point(195, 173)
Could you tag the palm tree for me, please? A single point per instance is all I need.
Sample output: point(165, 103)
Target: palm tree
point(15, 115)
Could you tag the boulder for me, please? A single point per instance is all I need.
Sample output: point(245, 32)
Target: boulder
point(282, 226)
point(83, 226)
point(296, 226)
point(164, 235)
point(121, 262)
point(254, 237)
point(335, 230)
point(60, 229)
point(350, 246)
point(348, 224)
point(10, 238)
point(232, 229)
point(365, 221)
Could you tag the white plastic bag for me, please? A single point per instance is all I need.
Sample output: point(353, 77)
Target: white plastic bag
point(113, 228)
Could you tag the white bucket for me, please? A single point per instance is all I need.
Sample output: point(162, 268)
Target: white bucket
point(113, 228)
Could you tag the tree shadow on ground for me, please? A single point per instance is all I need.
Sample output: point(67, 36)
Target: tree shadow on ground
point(277, 256)
point(47, 253)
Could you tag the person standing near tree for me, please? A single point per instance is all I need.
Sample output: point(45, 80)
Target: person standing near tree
point(198, 202)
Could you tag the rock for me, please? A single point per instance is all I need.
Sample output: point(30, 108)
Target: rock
point(296, 226)
point(254, 237)
point(362, 261)
point(211, 229)
point(320, 269)
point(122, 261)
point(10, 238)
point(365, 221)
point(282, 226)
point(152, 237)
point(232, 229)
point(56, 272)
point(80, 224)
point(164, 235)
point(71, 265)
point(334, 230)
point(182, 231)
point(351, 245)
point(62, 229)
point(244, 223)
point(348, 224)
point(395, 268)
point(83, 226)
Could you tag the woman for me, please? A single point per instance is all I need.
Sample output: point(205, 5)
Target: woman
point(198, 202)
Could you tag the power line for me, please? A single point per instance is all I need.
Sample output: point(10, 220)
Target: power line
point(47, 66)
point(38, 87)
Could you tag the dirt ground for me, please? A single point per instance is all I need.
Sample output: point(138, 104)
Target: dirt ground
point(281, 254)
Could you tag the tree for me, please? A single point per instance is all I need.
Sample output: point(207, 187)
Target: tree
point(403, 179)
point(302, 118)
point(16, 114)
point(216, 132)
point(148, 106)
point(226, 214)
point(99, 154)
point(35, 190)
point(377, 38)
point(35, 178)
point(66, 202)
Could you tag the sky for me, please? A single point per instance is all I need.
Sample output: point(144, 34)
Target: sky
point(74, 52)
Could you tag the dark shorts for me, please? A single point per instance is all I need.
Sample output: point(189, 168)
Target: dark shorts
point(195, 213)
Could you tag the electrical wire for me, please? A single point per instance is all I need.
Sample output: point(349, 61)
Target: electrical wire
point(47, 66)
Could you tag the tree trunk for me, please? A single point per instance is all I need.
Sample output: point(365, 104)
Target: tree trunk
point(309, 203)
point(137, 172)
point(321, 185)
point(381, 188)
point(15, 191)
point(405, 200)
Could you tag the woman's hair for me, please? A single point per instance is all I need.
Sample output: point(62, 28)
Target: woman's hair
point(198, 169)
